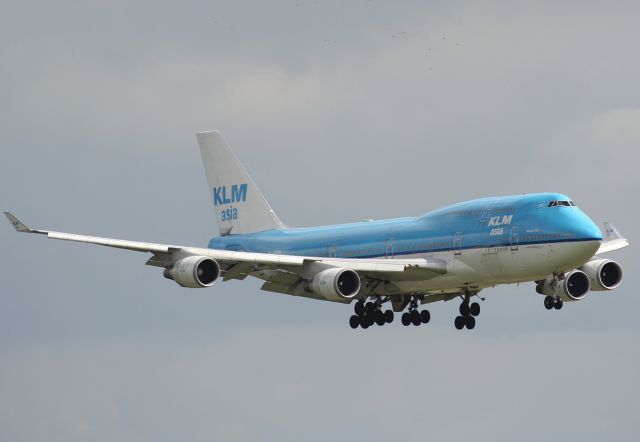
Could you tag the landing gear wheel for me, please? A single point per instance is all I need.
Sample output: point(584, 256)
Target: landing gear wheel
point(406, 319)
point(415, 318)
point(558, 304)
point(425, 316)
point(548, 302)
point(470, 322)
point(474, 309)
point(370, 307)
point(364, 324)
point(354, 321)
point(459, 322)
point(388, 316)
point(359, 308)
point(371, 319)
point(464, 308)
point(380, 318)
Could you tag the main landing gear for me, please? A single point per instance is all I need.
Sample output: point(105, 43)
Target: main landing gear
point(367, 314)
point(553, 302)
point(415, 317)
point(468, 312)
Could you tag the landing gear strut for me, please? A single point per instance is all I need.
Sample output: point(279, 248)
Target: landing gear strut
point(369, 313)
point(551, 301)
point(413, 316)
point(468, 312)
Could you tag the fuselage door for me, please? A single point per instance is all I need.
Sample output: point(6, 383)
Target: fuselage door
point(332, 251)
point(457, 243)
point(390, 248)
point(514, 238)
point(486, 214)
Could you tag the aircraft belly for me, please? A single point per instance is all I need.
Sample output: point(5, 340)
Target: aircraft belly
point(487, 267)
point(570, 255)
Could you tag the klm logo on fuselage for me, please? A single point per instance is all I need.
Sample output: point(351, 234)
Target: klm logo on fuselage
point(237, 194)
point(500, 220)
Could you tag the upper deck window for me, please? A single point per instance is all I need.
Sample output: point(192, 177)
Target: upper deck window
point(562, 203)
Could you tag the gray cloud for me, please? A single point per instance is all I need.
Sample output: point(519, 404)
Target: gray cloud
point(235, 386)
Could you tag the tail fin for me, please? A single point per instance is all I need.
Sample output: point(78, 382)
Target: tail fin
point(240, 206)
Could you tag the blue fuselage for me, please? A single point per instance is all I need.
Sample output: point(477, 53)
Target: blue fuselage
point(508, 221)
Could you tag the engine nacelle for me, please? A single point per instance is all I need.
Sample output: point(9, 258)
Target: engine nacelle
point(194, 272)
point(335, 284)
point(572, 286)
point(604, 274)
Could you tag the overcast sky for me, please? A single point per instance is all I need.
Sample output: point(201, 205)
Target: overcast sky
point(341, 111)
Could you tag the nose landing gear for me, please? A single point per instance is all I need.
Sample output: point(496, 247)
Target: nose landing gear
point(553, 302)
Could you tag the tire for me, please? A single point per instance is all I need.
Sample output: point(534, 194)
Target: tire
point(548, 302)
point(470, 322)
point(459, 322)
point(380, 318)
point(425, 316)
point(370, 320)
point(359, 308)
point(354, 321)
point(415, 318)
point(406, 319)
point(474, 309)
point(464, 309)
point(369, 307)
point(558, 304)
point(388, 316)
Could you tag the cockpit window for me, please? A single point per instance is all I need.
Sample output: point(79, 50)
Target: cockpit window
point(562, 203)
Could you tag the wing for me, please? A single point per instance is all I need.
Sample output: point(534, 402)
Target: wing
point(281, 273)
point(613, 240)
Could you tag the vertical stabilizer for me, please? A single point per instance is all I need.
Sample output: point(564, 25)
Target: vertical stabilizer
point(240, 206)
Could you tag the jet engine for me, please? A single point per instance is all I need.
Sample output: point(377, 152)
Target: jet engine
point(194, 272)
point(572, 286)
point(335, 284)
point(604, 274)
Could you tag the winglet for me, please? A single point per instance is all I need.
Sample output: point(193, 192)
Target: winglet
point(613, 240)
point(611, 232)
point(19, 225)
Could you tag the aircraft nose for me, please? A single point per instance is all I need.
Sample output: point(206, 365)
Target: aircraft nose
point(585, 228)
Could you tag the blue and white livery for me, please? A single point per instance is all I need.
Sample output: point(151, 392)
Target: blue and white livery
point(448, 253)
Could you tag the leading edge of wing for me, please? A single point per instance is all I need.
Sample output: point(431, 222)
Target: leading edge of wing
point(260, 259)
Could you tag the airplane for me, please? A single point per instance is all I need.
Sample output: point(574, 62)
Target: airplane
point(452, 252)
